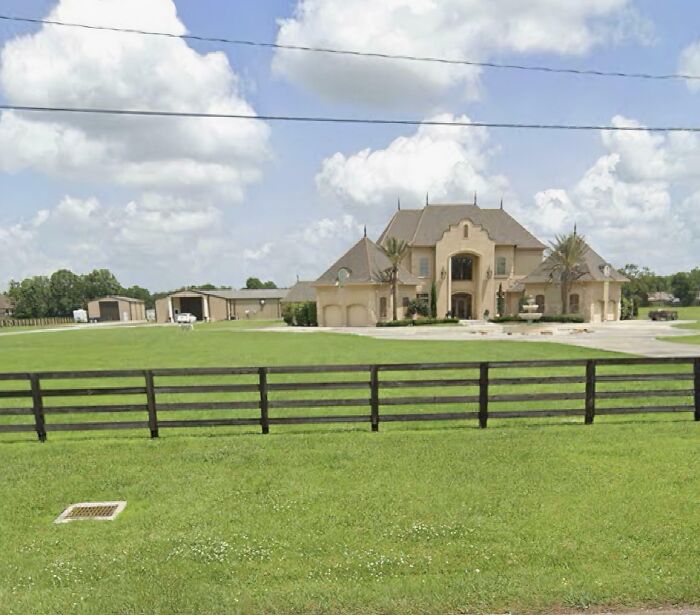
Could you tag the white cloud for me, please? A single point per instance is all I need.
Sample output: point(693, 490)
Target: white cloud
point(165, 242)
point(471, 29)
point(630, 202)
point(450, 164)
point(74, 67)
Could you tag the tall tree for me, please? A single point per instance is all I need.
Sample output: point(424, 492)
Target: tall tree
point(100, 283)
point(564, 263)
point(257, 283)
point(31, 297)
point(67, 293)
point(395, 250)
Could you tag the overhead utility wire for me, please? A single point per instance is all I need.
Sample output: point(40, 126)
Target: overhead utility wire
point(349, 120)
point(368, 54)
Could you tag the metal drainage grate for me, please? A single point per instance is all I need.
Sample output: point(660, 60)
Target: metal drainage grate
point(95, 511)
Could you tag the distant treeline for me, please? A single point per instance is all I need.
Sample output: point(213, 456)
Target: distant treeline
point(64, 291)
point(683, 285)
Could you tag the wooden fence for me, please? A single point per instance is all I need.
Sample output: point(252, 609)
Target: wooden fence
point(35, 322)
point(148, 399)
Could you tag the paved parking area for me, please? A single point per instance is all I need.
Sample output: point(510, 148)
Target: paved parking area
point(634, 336)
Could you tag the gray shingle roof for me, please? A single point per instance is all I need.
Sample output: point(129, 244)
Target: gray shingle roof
point(120, 298)
point(425, 227)
point(248, 293)
point(302, 291)
point(593, 265)
point(365, 262)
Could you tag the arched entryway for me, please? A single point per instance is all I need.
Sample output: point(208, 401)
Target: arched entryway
point(462, 306)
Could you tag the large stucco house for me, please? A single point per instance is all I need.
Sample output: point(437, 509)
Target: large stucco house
point(471, 254)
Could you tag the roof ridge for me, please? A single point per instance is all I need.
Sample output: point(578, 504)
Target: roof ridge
point(420, 220)
point(369, 257)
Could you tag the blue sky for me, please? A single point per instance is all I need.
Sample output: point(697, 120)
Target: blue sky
point(286, 221)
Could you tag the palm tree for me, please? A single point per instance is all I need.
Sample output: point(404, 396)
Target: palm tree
point(565, 259)
point(395, 250)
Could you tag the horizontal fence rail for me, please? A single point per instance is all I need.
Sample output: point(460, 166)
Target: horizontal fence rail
point(156, 399)
point(8, 321)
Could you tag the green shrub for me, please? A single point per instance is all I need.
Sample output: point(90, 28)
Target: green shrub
point(300, 314)
point(396, 323)
point(417, 307)
point(421, 322)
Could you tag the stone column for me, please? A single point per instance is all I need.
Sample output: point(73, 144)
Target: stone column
point(170, 309)
point(205, 306)
point(449, 284)
point(606, 299)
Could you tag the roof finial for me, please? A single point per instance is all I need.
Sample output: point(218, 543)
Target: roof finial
point(297, 278)
point(365, 230)
point(474, 197)
point(501, 203)
point(426, 198)
point(574, 229)
point(399, 203)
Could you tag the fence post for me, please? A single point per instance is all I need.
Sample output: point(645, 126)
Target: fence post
point(264, 419)
point(483, 395)
point(38, 407)
point(590, 391)
point(374, 396)
point(151, 403)
point(696, 373)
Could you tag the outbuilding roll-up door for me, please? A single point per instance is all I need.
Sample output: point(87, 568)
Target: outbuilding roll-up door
point(109, 311)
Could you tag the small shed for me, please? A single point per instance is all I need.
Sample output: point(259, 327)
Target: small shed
point(116, 309)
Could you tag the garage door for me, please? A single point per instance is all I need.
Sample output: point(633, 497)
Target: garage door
point(358, 316)
point(192, 305)
point(109, 311)
point(333, 316)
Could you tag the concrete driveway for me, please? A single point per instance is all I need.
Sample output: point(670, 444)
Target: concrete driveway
point(633, 336)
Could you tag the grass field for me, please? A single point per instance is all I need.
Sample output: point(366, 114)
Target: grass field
point(437, 518)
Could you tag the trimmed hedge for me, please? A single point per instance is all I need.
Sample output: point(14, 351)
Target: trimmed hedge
point(419, 322)
point(561, 318)
point(300, 314)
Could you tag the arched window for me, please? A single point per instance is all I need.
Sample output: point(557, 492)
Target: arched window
point(466, 231)
point(539, 300)
point(462, 267)
point(574, 303)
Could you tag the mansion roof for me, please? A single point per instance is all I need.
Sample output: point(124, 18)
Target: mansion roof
point(593, 268)
point(364, 263)
point(425, 227)
point(5, 303)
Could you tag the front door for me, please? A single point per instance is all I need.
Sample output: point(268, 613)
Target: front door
point(462, 306)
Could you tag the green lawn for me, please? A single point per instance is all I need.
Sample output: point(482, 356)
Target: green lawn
point(431, 518)
point(691, 313)
point(684, 313)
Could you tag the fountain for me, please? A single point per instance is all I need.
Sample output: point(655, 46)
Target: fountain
point(530, 313)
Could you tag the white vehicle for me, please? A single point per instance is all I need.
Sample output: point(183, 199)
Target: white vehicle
point(185, 318)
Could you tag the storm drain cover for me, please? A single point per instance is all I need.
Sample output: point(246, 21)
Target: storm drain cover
point(93, 511)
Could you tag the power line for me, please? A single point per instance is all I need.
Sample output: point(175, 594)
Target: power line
point(350, 120)
point(367, 54)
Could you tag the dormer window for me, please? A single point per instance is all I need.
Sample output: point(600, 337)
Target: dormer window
point(466, 231)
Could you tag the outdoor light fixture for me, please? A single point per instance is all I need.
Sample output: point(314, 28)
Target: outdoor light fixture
point(443, 273)
point(262, 302)
point(489, 273)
